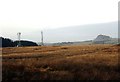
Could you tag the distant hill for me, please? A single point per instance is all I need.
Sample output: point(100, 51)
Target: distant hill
point(76, 33)
point(100, 39)
point(103, 39)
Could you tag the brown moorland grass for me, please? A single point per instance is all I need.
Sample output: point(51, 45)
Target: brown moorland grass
point(84, 62)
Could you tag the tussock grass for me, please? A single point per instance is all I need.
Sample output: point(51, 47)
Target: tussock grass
point(89, 62)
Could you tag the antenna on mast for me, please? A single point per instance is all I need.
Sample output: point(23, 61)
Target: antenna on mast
point(19, 36)
point(42, 38)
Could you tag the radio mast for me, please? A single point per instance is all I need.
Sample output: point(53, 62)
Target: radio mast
point(42, 38)
point(19, 36)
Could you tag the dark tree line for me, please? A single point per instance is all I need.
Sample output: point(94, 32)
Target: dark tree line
point(6, 42)
point(25, 43)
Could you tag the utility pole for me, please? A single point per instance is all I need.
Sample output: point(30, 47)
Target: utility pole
point(42, 38)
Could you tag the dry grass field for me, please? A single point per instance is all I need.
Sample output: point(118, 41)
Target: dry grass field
point(84, 62)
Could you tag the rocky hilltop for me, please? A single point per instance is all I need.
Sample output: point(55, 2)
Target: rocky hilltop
point(103, 39)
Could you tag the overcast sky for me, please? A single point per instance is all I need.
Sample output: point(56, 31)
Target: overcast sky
point(30, 15)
